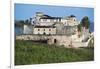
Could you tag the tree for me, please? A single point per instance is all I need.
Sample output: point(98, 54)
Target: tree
point(19, 23)
point(30, 20)
point(72, 15)
point(26, 21)
point(85, 22)
point(79, 28)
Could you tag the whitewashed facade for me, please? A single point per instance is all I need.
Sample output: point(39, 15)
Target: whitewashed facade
point(45, 30)
point(27, 29)
point(46, 20)
point(45, 24)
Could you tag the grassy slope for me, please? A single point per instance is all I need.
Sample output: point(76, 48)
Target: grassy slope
point(28, 52)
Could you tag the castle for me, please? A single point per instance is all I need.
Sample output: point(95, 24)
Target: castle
point(45, 24)
point(56, 30)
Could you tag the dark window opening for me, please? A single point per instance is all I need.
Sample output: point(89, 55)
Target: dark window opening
point(49, 29)
point(44, 29)
point(55, 41)
point(44, 33)
point(38, 29)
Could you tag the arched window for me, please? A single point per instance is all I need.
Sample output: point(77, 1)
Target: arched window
point(74, 19)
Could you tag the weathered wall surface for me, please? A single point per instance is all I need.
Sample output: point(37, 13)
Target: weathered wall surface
point(60, 40)
point(28, 29)
point(52, 39)
point(44, 30)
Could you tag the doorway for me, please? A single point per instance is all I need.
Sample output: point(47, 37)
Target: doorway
point(55, 40)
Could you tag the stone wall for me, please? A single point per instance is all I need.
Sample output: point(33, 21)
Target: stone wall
point(59, 40)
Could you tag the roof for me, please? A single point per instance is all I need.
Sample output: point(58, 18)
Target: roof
point(46, 16)
point(44, 27)
point(49, 17)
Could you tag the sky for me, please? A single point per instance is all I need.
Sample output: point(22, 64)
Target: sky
point(26, 11)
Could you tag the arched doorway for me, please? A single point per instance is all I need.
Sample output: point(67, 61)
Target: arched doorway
point(55, 41)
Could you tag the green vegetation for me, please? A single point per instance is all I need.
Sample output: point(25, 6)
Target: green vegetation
point(29, 52)
point(79, 28)
point(20, 23)
point(91, 43)
point(85, 22)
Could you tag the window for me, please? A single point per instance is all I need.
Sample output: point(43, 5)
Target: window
point(44, 29)
point(44, 33)
point(59, 20)
point(38, 29)
point(74, 20)
point(49, 33)
point(55, 41)
point(49, 29)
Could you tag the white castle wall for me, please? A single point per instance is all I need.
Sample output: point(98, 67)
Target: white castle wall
point(44, 30)
point(28, 29)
